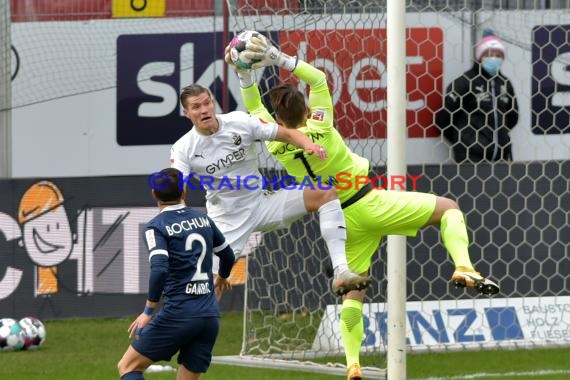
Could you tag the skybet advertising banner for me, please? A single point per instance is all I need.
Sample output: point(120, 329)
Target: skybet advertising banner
point(355, 60)
point(550, 79)
point(109, 95)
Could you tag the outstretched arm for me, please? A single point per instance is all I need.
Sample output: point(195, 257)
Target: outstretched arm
point(299, 139)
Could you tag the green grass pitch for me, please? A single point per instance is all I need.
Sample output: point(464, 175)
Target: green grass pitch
point(89, 349)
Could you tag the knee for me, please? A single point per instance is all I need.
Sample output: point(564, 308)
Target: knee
point(328, 195)
point(448, 204)
point(121, 367)
point(314, 199)
point(125, 366)
point(441, 206)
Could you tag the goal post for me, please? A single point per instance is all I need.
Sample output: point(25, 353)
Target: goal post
point(396, 166)
point(5, 91)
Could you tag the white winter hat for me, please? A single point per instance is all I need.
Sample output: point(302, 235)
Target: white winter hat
point(488, 41)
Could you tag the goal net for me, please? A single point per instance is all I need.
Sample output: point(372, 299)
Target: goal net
point(516, 211)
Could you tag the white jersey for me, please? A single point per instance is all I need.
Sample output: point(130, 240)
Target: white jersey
point(223, 160)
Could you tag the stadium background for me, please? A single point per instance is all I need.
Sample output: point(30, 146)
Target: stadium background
point(93, 111)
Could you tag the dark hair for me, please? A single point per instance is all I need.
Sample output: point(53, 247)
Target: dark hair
point(192, 90)
point(288, 103)
point(173, 185)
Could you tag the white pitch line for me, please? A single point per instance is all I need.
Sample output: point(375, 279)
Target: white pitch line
point(546, 372)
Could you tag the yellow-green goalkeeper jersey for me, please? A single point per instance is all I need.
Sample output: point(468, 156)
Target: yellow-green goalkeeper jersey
point(342, 165)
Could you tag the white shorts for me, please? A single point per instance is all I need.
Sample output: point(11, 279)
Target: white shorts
point(271, 211)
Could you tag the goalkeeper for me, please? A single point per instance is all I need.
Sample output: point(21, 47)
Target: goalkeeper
point(370, 213)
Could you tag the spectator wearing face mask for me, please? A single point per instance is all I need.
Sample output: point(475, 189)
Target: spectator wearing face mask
point(480, 107)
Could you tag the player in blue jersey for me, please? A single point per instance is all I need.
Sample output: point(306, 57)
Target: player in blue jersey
point(181, 242)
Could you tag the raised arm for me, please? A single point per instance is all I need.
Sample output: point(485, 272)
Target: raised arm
point(320, 101)
point(319, 94)
point(254, 105)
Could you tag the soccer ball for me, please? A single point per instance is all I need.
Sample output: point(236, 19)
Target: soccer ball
point(35, 331)
point(12, 336)
point(237, 47)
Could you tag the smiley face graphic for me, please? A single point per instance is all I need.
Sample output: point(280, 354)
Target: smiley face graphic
point(46, 229)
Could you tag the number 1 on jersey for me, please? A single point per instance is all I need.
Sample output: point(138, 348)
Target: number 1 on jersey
point(301, 156)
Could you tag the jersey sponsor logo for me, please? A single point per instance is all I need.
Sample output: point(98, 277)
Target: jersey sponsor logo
point(187, 225)
point(198, 288)
point(226, 162)
point(318, 115)
point(550, 79)
point(284, 148)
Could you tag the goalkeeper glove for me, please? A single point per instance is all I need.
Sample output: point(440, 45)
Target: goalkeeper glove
point(258, 48)
point(244, 75)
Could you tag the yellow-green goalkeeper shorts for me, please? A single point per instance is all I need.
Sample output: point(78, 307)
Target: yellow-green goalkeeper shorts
point(380, 213)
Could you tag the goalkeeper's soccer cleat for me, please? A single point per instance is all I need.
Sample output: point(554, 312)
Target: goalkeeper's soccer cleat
point(354, 372)
point(469, 278)
point(346, 281)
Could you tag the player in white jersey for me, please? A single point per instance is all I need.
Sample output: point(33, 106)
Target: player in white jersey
point(220, 152)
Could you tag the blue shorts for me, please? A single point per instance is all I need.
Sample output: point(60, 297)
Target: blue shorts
point(194, 338)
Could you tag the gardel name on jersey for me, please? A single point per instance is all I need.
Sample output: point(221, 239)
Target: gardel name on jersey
point(227, 161)
point(187, 225)
point(198, 288)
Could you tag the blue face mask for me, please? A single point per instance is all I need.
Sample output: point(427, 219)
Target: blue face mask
point(492, 65)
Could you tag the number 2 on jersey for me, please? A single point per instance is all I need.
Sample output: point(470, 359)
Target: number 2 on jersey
point(199, 275)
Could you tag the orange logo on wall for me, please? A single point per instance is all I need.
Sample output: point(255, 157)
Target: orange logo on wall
point(239, 272)
point(47, 233)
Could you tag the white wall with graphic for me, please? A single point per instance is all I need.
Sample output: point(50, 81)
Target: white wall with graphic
point(99, 97)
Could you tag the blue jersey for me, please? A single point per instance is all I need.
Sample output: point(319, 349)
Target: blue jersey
point(181, 242)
